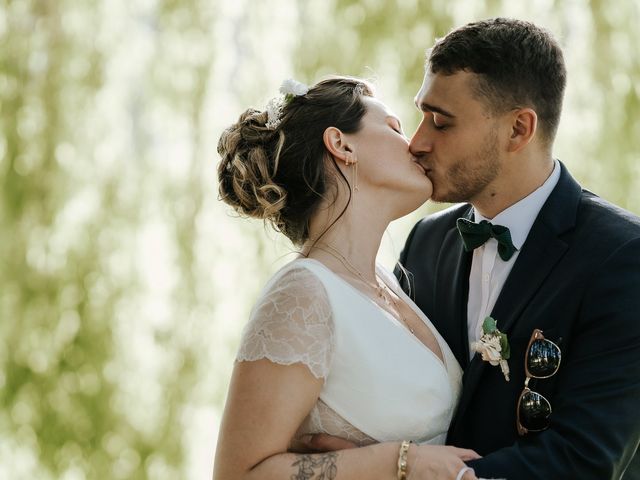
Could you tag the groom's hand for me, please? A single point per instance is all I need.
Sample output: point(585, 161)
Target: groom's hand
point(320, 442)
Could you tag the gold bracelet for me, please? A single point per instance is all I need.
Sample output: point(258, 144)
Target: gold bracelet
point(402, 460)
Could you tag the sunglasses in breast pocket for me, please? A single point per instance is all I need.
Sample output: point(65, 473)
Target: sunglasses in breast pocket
point(542, 360)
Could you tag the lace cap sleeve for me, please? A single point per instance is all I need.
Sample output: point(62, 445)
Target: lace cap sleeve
point(291, 323)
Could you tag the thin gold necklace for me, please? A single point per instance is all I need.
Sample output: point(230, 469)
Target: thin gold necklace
point(380, 287)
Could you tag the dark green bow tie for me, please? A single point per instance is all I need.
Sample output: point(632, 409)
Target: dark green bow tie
point(476, 234)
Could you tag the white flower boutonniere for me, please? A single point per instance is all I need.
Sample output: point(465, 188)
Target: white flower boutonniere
point(493, 346)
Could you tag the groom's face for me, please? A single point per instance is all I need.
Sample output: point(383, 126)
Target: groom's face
point(457, 139)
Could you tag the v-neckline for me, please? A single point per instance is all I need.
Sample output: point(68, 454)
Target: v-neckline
point(421, 316)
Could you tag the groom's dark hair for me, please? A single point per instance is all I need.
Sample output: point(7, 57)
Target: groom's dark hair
point(518, 65)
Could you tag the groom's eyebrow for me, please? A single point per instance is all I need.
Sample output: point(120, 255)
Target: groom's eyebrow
point(427, 107)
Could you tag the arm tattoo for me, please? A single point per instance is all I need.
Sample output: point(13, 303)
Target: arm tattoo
point(308, 465)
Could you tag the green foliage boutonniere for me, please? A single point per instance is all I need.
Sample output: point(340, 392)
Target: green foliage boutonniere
point(493, 346)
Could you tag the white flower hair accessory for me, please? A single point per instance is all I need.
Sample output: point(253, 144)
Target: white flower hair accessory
point(274, 112)
point(289, 89)
point(293, 88)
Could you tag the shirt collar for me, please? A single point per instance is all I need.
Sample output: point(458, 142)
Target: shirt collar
point(519, 217)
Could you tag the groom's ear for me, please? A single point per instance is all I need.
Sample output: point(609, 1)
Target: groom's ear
point(524, 123)
point(336, 143)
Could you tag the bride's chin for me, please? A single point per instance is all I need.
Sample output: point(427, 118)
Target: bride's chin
point(422, 191)
point(411, 204)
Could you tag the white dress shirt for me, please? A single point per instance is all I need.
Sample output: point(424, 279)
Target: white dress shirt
point(488, 270)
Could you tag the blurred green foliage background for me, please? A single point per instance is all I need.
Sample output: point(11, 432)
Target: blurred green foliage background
point(124, 282)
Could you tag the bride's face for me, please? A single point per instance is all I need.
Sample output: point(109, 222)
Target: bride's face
point(385, 165)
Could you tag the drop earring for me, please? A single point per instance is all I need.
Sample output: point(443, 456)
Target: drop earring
point(354, 176)
point(354, 171)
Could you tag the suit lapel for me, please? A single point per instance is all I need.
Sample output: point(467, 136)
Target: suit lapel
point(540, 253)
point(542, 250)
point(451, 292)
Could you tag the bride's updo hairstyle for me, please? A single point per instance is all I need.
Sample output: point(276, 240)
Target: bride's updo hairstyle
point(280, 174)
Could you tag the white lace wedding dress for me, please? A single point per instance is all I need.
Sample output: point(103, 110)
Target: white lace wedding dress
point(380, 382)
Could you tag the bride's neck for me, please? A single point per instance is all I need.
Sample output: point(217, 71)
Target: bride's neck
point(356, 236)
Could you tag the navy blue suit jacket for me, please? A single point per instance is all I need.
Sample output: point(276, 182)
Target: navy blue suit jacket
point(577, 278)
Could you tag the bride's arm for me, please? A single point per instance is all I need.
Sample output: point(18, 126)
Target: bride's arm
point(266, 404)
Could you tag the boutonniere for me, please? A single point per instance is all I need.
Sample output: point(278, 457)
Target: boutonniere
point(493, 346)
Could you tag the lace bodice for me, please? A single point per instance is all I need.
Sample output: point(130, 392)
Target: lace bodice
point(380, 382)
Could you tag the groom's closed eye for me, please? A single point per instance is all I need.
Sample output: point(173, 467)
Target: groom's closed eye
point(438, 123)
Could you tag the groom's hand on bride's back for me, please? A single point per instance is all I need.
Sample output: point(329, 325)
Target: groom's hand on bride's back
point(320, 442)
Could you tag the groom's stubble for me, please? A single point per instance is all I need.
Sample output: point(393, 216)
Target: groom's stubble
point(468, 176)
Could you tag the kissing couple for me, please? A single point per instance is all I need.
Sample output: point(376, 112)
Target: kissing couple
point(506, 344)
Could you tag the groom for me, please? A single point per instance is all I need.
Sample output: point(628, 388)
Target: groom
point(569, 265)
point(556, 258)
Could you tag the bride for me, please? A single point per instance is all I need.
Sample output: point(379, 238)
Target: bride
point(333, 344)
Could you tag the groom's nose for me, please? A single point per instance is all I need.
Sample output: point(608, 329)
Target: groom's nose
point(421, 143)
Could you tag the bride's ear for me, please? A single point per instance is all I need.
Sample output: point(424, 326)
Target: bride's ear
point(336, 144)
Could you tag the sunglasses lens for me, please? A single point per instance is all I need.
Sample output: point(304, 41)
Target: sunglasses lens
point(534, 411)
point(543, 358)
